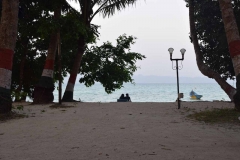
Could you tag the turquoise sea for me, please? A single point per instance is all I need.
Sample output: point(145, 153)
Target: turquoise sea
point(148, 92)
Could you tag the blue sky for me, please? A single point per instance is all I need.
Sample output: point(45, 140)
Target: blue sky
point(158, 25)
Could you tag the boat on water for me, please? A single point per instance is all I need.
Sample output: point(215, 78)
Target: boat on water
point(194, 95)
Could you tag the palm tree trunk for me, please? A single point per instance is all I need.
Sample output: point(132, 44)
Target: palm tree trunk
point(18, 96)
point(43, 92)
point(59, 70)
point(8, 35)
point(68, 94)
point(233, 39)
point(204, 69)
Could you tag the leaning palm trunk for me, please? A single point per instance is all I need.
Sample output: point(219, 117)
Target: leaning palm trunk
point(233, 39)
point(106, 7)
point(204, 69)
point(8, 35)
point(43, 92)
point(68, 94)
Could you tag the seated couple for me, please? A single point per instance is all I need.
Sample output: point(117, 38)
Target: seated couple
point(127, 98)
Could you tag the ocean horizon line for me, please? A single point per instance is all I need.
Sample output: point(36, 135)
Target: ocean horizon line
point(151, 79)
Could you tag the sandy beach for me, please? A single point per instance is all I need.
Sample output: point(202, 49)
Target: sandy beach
point(118, 131)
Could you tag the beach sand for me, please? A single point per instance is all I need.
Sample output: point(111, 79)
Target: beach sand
point(118, 131)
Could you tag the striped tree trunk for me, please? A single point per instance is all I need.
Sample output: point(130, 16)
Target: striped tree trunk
point(68, 94)
point(8, 35)
point(233, 39)
point(43, 92)
point(204, 69)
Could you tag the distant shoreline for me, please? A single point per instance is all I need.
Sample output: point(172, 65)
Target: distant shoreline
point(168, 79)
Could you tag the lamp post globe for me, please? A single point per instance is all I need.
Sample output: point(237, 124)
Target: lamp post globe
point(170, 50)
point(183, 51)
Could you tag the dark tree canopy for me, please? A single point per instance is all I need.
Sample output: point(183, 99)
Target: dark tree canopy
point(211, 36)
point(35, 26)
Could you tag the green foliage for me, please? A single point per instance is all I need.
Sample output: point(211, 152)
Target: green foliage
point(18, 96)
point(212, 38)
point(36, 23)
point(18, 107)
point(110, 65)
point(217, 116)
point(31, 47)
point(69, 44)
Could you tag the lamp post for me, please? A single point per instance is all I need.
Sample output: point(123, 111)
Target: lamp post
point(177, 68)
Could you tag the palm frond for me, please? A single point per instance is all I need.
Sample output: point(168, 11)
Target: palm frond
point(74, 0)
point(109, 7)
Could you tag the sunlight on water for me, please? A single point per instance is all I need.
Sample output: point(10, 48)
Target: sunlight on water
point(160, 92)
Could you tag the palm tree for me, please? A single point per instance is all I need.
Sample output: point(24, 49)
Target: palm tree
point(43, 92)
point(233, 39)
point(106, 8)
point(8, 35)
point(204, 69)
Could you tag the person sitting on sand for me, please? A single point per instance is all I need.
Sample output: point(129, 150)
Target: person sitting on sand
point(122, 96)
point(128, 98)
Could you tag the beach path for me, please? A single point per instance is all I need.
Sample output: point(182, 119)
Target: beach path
point(118, 131)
